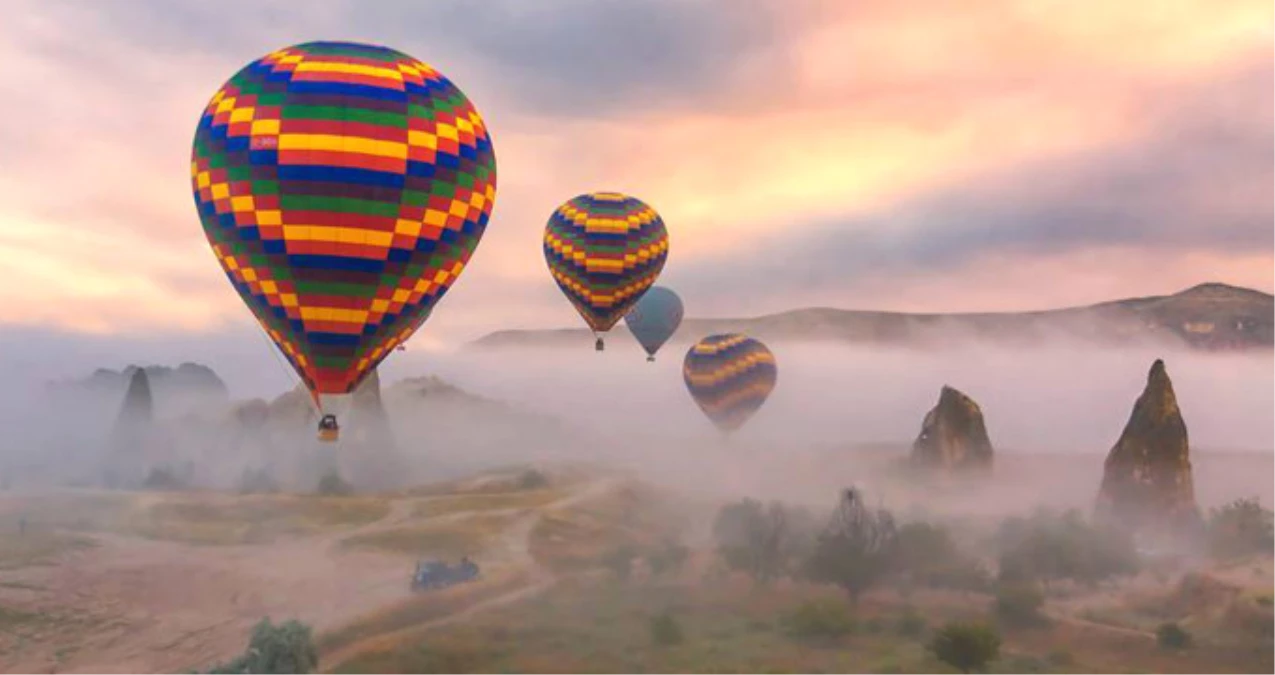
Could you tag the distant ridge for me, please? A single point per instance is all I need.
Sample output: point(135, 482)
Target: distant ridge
point(1209, 316)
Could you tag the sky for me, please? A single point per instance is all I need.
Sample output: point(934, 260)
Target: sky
point(935, 155)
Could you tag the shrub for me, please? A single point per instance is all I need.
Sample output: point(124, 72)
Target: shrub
point(620, 561)
point(163, 478)
point(1264, 600)
point(1048, 546)
point(763, 541)
point(532, 479)
point(256, 481)
point(873, 626)
point(966, 645)
point(284, 648)
point(670, 556)
point(820, 619)
point(665, 630)
point(910, 623)
point(1019, 603)
point(1061, 657)
point(1172, 636)
point(332, 484)
point(1240, 528)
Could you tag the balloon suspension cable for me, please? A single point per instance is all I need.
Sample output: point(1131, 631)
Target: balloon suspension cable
point(287, 368)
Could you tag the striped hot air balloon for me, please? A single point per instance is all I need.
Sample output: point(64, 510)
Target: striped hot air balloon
point(343, 187)
point(729, 376)
point(605, 250)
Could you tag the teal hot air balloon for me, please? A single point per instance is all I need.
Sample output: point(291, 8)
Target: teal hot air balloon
point(654, 319)
point(729, 376)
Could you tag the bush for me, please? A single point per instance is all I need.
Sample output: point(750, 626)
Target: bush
point(1019, 603)
point(620, 561)
point(910, 623)
point(1061, 657)
point(1172, 636)
point(333, 484)
point(257, 481)
point(1264, 600)
point(284, 648)
point(163, 478)
point(1049, 546)
point(669, 556)
point(532, 479)
point(820, 619)
point(966, 645)
point(665, 630)
point(1241, 528)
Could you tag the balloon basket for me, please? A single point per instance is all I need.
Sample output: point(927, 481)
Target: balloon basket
point(650, 359)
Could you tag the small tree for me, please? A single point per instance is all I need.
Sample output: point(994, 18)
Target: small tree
point(532, 479)
point(760, 540)
point(856, 549)
point(966, 646)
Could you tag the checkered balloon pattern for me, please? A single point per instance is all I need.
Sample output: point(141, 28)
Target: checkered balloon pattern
point(343, 188)
point(605, 250)
point(729, 376)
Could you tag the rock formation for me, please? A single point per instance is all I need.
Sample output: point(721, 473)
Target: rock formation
point(953, 435)
point(188, 388)
point(369, 436)
point(132, 435)
point(1146, 482)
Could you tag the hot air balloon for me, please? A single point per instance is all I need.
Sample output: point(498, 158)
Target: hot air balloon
point(729, 376)
point(654, 319)
point(343, 187)
point(604, 250)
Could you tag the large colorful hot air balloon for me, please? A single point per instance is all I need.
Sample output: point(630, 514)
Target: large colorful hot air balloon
point(343, 188)
point(729, 376)
point(604, 250)
point(654, 319)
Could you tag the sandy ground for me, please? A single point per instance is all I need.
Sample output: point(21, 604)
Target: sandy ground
point(140, 605)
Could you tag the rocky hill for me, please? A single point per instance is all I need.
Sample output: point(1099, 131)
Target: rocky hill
point(175, 391)
point(1209, 316)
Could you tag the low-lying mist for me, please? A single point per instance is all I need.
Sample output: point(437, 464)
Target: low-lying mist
point(838, 415)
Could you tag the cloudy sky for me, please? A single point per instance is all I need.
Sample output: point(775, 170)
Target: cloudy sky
point(935, 155)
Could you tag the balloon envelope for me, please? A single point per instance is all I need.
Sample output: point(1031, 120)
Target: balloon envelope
point(654, 318)
point(729, 376)
point(604, 250)
point(343, 187)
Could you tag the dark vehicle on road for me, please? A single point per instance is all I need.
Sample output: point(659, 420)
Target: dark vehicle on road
point(438, 574)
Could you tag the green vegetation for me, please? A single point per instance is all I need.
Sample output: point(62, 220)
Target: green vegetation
point(333, 484)
point(665, 630)
point(856, 550)
point(765, 542)
point(1172, 636)
point(1241, 528)
point(820, 619)
point(1019, 604)
point(284, 648)
point(966, 646)
point(1047, 547)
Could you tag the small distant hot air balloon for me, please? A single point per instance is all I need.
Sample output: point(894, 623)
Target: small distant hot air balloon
point(605, 250)
point(343, 187)
point(729, 376)
point(654, 319)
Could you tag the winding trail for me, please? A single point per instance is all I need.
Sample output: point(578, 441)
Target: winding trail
point(133, 604)
point(516, 544)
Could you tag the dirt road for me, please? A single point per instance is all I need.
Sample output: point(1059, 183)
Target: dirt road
point(140, 605)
